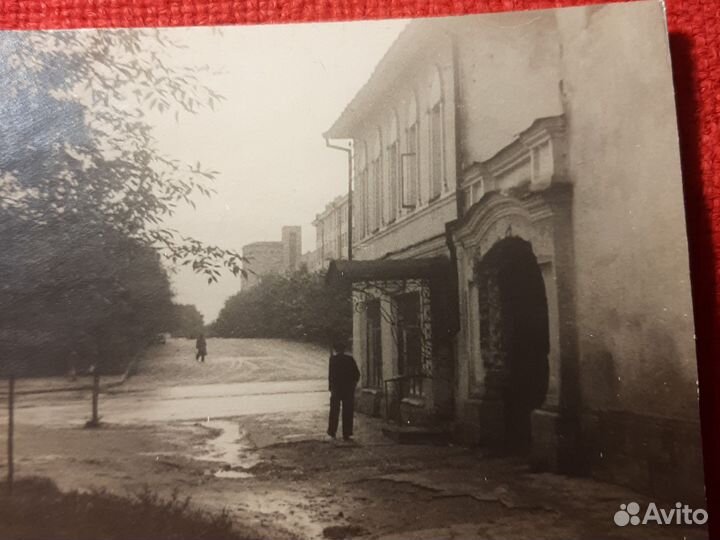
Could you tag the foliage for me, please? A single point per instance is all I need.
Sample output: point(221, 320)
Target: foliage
point(38, 509)
point(295, 306)
point(85, 296)
point(94, 156)
point(84, 193)
point(188, 322)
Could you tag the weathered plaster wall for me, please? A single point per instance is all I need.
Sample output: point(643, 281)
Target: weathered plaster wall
point(508, 77)
point(637, 365)
point(633, 292)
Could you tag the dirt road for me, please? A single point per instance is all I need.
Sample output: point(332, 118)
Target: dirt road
point(233, 434)
point(230, 361)
point(240, 377)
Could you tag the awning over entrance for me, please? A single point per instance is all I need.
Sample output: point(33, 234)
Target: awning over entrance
point(392, 276)
point(389, 269)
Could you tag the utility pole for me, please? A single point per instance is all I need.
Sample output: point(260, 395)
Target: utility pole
point(95, 419)
point(10, 434)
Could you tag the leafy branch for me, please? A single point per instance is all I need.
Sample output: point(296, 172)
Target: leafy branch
point(97, 161)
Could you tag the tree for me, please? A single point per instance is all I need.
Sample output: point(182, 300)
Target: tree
point(84, 193)
point(84, 297)
point(94, 158)
point(188, 322)
point(295, 306)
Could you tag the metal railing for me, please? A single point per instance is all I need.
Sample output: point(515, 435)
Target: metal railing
point(401, 387)
point(12, 395)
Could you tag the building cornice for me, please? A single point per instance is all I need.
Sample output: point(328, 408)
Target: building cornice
point(536, 158)
point(410, 45)
point(407, 220)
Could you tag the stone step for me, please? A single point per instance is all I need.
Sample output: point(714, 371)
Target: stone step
point(409, 434)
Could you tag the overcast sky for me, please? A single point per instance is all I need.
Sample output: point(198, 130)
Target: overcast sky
point(285, 85)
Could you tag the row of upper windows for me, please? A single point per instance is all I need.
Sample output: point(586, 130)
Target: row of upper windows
point(335, 248)
point(325, 238)
point(389, 183)
point(332, 222)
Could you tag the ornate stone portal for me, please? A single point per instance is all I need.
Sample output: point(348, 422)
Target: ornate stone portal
point(516, 343)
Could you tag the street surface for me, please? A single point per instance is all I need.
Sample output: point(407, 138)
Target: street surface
point(239, 377)
point(245, 432)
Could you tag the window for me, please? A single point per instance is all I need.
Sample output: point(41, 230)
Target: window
point(410, 159)
point(363, 204)
point(436, 152)
point(413, 195)
point(378, 216)
point(435, 125)
point(473, 193)
point(366, 202)
point(410, 340)
point(393, 181)
point(373, 359)
point(393, 159)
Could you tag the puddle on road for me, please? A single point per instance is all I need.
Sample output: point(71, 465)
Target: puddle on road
point(231, 448)
point(45, 458)
point(232, 474)
point(299, 511)
point(299, 437)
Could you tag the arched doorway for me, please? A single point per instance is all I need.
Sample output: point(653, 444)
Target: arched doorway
point(514, 335)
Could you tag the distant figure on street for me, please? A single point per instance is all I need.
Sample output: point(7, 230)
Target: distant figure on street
point(73, 362)
point(343, 376)
point(201, 348)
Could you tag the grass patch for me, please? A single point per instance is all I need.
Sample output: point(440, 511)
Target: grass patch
point(37, 510)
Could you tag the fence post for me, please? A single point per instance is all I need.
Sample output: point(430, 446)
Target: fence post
point(11, 429)
point(386, 396)
point(95, 420)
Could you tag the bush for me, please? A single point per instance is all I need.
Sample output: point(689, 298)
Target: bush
point(188, 322)
point(37, 509)
point(295, 306)
point(77, 295)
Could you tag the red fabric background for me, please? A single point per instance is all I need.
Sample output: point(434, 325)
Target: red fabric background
point(695, 43)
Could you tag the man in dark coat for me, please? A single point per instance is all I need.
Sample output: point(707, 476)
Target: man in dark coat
point(343, 376)
point(200, 348)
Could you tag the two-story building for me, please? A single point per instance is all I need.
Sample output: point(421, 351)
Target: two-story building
point(331, 232)
point(521, 271)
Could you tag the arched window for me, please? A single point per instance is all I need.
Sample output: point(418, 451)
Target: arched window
point(376, 172)
point(411, 157)
point(436, 127)
point(393, 165)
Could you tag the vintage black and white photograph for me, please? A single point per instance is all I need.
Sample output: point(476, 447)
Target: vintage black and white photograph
point(417, 279)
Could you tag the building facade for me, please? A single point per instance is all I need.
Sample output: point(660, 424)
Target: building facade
point(291, 247)
point(262, 258)
point(331, 230)
point(311, 261)
point(504, 231)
